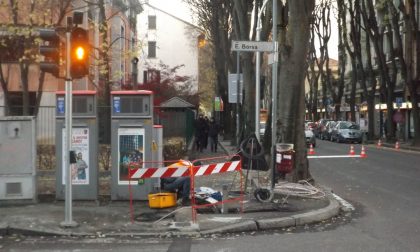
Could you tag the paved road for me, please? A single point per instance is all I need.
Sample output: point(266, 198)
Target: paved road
point(384, 188)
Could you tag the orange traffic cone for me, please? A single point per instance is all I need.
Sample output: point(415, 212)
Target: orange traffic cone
point(397, 145)
point(311, 150)
point(363, 152)
point(379, 145)
point(351, 153)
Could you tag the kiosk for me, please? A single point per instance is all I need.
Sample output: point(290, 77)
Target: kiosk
point(131, 141)
point(84, 144)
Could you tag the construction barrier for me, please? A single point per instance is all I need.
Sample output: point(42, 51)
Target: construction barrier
point(184, 168)
point(214, 168)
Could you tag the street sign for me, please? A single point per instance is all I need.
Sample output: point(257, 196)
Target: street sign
point(252, 46)
point(233, 87)
point(399, 101)
point(398, 117)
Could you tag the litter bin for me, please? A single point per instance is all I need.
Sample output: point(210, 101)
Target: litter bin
point(285, 156)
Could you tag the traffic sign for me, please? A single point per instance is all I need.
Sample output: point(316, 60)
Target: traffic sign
point(399, 101)
point(252, 46)
point(398, 117)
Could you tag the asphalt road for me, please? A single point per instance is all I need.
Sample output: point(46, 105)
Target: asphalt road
point(384, 189)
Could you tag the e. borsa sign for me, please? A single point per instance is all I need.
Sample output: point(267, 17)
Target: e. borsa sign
point(252, 46)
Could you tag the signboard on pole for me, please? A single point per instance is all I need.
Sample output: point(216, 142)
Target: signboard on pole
point(80, 144)
point(252, 46)
point(232, 85)
point(399, 101)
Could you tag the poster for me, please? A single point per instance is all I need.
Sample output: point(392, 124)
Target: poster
point(80, 144)
point(130, 149)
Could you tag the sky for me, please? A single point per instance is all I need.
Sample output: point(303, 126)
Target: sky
point(175, 7)
point(181, 10)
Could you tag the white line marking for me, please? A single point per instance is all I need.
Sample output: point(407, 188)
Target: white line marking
point(336, 156)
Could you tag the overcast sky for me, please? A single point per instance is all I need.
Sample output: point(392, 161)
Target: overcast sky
point(181, 10)
point(175, 7)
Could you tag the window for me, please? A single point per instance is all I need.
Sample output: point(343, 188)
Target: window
point(152, 22)
point(16, 101)
point(151, 49)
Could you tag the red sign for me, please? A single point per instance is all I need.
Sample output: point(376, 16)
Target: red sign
point(398, 117)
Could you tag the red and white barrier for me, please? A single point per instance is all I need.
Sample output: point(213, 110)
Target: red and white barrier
point(182, 170)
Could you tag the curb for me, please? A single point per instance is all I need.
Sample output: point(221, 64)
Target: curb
point(327, 212)
point(318, 215)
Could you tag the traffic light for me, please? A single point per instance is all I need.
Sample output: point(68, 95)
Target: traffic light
point(51, 51)
point(79, 53)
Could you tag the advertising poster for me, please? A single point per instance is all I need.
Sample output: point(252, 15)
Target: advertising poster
point(130, 149)
point(80, 144)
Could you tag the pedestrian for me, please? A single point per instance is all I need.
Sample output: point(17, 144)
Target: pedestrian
point(214, 129)
point(202, 128)
point(206, 131)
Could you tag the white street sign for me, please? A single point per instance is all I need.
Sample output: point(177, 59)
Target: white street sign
point(233, 87)
point(252, 46)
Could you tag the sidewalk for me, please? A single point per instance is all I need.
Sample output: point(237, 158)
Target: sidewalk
point(114, 218)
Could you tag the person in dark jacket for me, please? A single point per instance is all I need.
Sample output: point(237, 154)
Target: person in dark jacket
point(213, 134)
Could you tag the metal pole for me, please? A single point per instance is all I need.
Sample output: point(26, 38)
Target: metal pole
point(238, 94)
point(257, 87)
point(257, 75)
point(68, 220)
point(274, 96)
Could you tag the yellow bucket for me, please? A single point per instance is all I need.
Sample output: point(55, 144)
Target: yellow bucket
point(162, 200)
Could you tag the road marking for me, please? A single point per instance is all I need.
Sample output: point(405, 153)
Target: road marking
point(346, 205)
point(336, 156)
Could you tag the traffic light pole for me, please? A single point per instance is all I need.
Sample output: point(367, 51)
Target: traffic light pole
point(68, 221)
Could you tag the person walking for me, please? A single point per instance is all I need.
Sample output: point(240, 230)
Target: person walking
point(206, 131)
point(214, 129)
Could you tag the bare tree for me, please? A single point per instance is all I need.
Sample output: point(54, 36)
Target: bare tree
point(214, 17)
point(294, 44)
point(19, 45)
point(407, 58)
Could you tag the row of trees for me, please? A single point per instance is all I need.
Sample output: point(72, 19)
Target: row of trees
point(365, 26)
point(227, 20)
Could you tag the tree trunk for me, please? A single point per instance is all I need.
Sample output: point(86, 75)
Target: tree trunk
point(291, 105)
point(24, 71)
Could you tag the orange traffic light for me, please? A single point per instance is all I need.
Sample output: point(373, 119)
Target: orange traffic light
point(79, 53)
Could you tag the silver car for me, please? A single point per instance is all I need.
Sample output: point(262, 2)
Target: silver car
point(310, 137)
point(346, 132)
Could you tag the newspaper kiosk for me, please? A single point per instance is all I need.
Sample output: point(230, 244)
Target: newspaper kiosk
point(131, 141)
point(84, 143)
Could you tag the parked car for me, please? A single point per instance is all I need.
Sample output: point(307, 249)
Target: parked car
point(326, 134)
point(310, 125)
point(346, 132)
point(320, 127)
point(310, 137)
